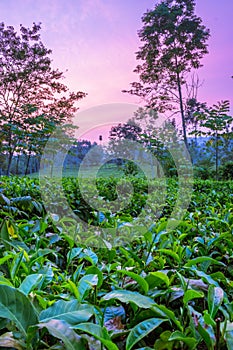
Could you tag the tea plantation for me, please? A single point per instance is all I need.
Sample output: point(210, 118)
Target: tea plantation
point(148, 287)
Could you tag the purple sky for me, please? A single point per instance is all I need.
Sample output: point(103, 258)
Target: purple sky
point(96, 41)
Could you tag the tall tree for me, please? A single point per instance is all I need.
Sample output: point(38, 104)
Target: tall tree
point(159, 136)
point(174, 41)
point(29, 85)
point(215, 124)
point(129, 131)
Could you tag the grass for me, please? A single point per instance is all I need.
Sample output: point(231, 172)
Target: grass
point(109, 170)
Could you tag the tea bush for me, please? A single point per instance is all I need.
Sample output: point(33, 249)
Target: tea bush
point(164, 289)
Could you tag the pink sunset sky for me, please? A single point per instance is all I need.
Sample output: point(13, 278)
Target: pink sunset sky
point(96, 41)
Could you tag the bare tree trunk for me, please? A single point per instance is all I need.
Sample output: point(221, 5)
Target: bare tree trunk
point(181, 105)
point(9, 163)
point(216, 156)
point(28, 161)
point(182, 111)
point(37, 163)
point(17, 164)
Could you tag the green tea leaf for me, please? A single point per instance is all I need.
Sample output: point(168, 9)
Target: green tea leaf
point(229, 339)
point(190, 341)
point(16, 307)
point(61, 330)
point(140, 280)
point(93, 270)
point(85, 284)
point(202, 259)
point(30, 283)
point(215, 298)
point(191, 294)
point(164, 312)
point(98, 332)
point(126, 296)
point(142, 330)
point(73, 253)
point(170, 253)
point(157, 278)
point(72, 312)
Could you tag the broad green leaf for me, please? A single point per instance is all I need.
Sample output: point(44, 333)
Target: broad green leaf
point(182, 280)
point(142, 330)
point(16, 265)
point(72, 312)
point(191, 342)
point(4, 199)
point(170, 253)
point(219, 276)
point(215, 298)
point(161, 232)
point(5, 258)
point(4, 234)
point(43, 252)
point(19, 245)
point(6, 281)
point(229, 308)
point(30, 283)
point(229, 339)
point(111, 312)
point(176, 293)
point(157, 278)
point(140, 280)
point(202, 259)
point(164, 312)
point(73, 288)
point(85, 284)
point(126, 296)
point(207, 278)
point(89, 255)
point(208, 319)
point(61, 330)
point(163, 343)
point(93, 270)
point(206, 331)
point(191, 294)
point(23, 202)
point(73, 253)
point(16, 307)
point(228, 336)
point(98, 332)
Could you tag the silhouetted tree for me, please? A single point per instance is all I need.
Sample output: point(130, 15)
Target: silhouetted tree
point(215, 122)
point(29, 87)
point(174, 41)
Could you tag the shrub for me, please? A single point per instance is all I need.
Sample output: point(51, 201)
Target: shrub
point(203, 173)
point(226, 171)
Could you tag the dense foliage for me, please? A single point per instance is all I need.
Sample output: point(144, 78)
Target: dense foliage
point(163, 290)
point(33, 98)
point(174, 41)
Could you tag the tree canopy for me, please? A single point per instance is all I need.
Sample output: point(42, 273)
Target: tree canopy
point(174, 41)
point(32, 96)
